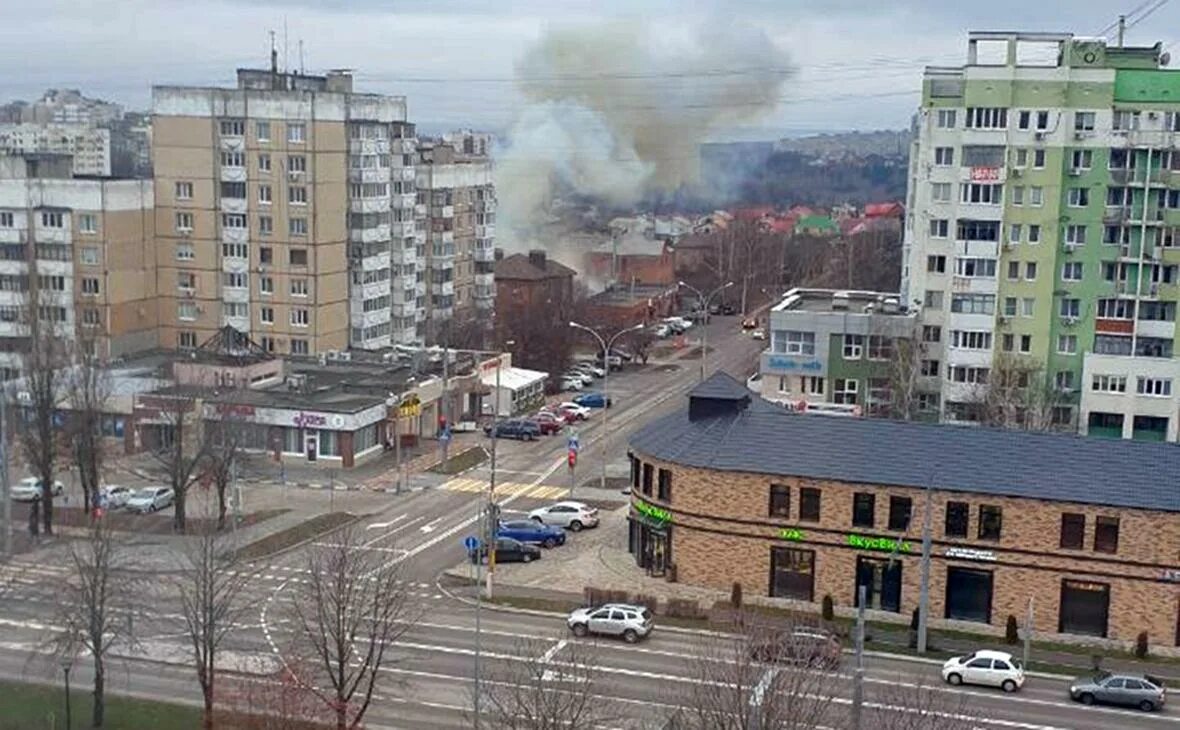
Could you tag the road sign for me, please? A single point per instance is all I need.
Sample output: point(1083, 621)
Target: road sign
point(573, 458)
point(445, 436)
point(471, 542)
point(574, 444)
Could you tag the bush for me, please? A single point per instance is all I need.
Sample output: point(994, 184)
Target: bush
point(1012, 630)
point(735, 595)
point(1141, 645)
point(827, 610)
point(683, 608)
point(650, 602)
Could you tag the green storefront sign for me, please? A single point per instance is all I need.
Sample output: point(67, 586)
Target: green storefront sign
point(882, 544)
point(654, 513)
point(790, 533)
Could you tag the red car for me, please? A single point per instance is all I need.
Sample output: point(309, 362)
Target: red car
point(561, 415)
point(548, 423)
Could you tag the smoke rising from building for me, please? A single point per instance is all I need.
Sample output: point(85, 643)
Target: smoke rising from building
point(617, 110)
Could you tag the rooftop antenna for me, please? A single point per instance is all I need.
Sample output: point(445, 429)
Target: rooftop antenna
point(300, 56)
point(1122, 29)
point(274, 54)
point(286, 57)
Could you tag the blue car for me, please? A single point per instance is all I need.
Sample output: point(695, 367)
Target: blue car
point(513, 429)
point(594, 400)
point(530, 531)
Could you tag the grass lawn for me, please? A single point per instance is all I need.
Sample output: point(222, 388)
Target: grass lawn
point(460, 462)
point(25, 706)
point(304, 531)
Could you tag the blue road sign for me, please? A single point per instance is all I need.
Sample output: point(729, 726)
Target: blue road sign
point(445, 435)
point(574, 445)
point(471, 542)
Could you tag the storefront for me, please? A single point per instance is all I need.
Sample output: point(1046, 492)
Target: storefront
point(881, 579)
point(792, 573)
point(969, 594)
point(1085, 607)
point(650, 538)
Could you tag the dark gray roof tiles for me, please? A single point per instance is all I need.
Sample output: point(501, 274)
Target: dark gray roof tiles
point(763, 438)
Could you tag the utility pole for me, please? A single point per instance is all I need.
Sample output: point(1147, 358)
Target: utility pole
point(491, 512)
point(924, 589)
point(4, 478)
point(445, 406)
point(858, 680)
point(1122, 29)
point(482, 524)
point(1028, 632)
point(705, 304)
point(606, 346)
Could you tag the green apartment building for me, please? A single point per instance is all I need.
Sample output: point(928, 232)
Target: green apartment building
point(1043, 230)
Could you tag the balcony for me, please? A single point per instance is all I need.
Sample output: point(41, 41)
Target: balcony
point(232, 174)
point(486, 231)
point(376, 234)
point(368, 146)
point(13, 268)
point(1115, 215)
point(442, 288)
point(488, 280)
point(361, 292)
point(407, 174)
point(368, 319)
point(234, 143)
point(974, 285)
point(241, 324)
point(369, 175)
point(403, 146)
point(235, 235)
point(368, 205)
point(445, 238)
point(405, 201)
point(447, 211)
point(233, 205)
point(235, 265)
point(484, 255)
point(52, 235)
point(403, 256)
point(375, 262)
point(419, 210)
point(404, 229)
point(55, 268)
point(13, 329)
point(420, 288)
point(14, 235)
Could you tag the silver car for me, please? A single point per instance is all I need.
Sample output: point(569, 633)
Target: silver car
point(1130, 690)
point(573, 516)
point(150, 499)
point(632, 623)
point(29, 489)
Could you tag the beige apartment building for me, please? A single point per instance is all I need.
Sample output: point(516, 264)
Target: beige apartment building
point(89, 243)
point(286, 209)
point(455, 190)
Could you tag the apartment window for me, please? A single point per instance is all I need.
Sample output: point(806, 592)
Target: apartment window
point(1075, 235)
point(1116, 309)
point(880, 347)
point(792, 342)
point(235, 250)
point(931, 333)
point(1073, 530)
point(87, 223)
point(1008, 342)
point(964, 374)
point(234, 280)
point(233, 128)
point(262, 131)
point(1018, 195)
point(1030, 271)
point(1125, 120)
point(932, 299)
point(264, 162)
point(237, 310)
point(184, 190)
point(299, 287)
point(940, 192)
point(264, 194)
point(184, 222)
point(90, 317)
point(982, 193)
point(6, 219)
point(944, 156)
point(1038, 159)
point(297, 195)
point(1009, 306)
point(299, 317)
point(299, 347)
point(296, 163)
point(186, 311)
point(987, 118)
point(780, 501)
point(809, 504)
point(1034, 233)
point(648, 475)
point(1015, 232)
point(52, 220)
point(297, 226)
point(1083, 121)
point(853, 346)
point(975, 267)
point(946, 119)
point(991, 520)
point(1042, 120)
point(266, 285)
point(813, 385)
point(930, 368)
point(266, 255)
point(1078, 197)
point(973, 303)
point(233, 159)
point(1024, 118)
point(1109, 384)
point(266, 315)
point(1067, 344)
point(296, 132)
point(186, 340)
point(664, 485)
point(1082, 159)
point(863, 507)
point(233, 190)
point(1026, 344)
point(845, 391)
point(90, 286)
point(1036, 195)
point(186, 280)
point(266, 225)
point(1013, 270)
point(971, 339)
point(1063, 380)
point(88, 255)
point(1021, 158)
point(940, 228)
point(936, 264)
point(1153, 386)
point(900, 509)
point(1106, 534)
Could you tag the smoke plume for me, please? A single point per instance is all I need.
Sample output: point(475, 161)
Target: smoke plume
point(617, 110)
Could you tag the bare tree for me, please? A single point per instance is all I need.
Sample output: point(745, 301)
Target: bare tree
point(905, 705)
point(86, 608)
point(349, 612)
point(536, 688)
point(210, 584)
point(181, 448)
point(88, 388)
point(1018, 395)
point(224, 441)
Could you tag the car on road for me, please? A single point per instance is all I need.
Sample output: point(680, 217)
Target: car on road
point(585, 377)
point(514, 428)
point(1130, 690)
point(563, 416)
point(807, 646)
point(749, 323)
point(531, 531)
point(507, 551)
point(679, 325)
point(985, 667)
point(114, 496)
point(614, 362)
point(580, 411)
point(569, 515)
point(758, 334)
point(548, 423)
point(150, 499)
point(593, 368)
point(631, 623)
point(594, 399)
point(571, 383)
point(29, 489)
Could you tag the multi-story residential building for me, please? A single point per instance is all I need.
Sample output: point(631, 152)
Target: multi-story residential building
point(90, 244)
point(62, 106)
point(1044, 227)
point(286, 209)
point(837, 351)
point(89, 146)
point(456, 189)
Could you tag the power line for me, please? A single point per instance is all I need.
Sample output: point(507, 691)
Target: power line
point(1147, 13)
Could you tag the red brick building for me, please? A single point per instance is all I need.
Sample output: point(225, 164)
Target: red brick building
point(656, 268)
point(531, 282)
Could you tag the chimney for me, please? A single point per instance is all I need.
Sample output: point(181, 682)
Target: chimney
point(499, 254)
point(537, 258)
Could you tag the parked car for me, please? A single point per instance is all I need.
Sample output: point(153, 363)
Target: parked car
point(507, 551)
point(623, 353)
point(758, 334)
point(728, 310)
point(662, 330)
point(593, 368)
point(806, 646)
point(986, 667)
point(572, 516)
point(749, 323)
point(679, 325)
point(632, 623)
point(29, 489)
point(548, 423)
point(531, 531)
point(150, 499)
point(594, 399)
point(614, 362)
point(586, 378)
point(1130, 690)
point(514, 428)
point(114, 496)
point(580, 411)
point(563, 416)
point(571, 382)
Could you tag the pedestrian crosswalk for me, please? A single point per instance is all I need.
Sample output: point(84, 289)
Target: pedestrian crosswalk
point(506, 489)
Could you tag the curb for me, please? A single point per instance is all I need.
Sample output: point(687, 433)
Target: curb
point(302, 543)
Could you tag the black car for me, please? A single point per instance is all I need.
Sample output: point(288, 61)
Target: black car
point(517, 428)
point(507, 551)
point(728, 309)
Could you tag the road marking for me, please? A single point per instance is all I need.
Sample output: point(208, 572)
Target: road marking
point(383, 525)
point(548, 675)
point(429, 526)
point(760, 688)
point(394, 531)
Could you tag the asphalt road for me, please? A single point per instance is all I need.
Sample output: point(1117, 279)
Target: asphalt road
point(430, 679)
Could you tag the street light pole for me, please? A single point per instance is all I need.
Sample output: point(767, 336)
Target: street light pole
point(65, 668)
point(705, 326)
point(924, 586)
point(606, 345)
point(4, 478)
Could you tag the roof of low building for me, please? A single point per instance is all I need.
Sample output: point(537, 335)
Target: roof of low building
point(755, 436)
point(518, 266)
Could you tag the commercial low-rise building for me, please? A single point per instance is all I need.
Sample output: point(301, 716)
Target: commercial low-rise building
point(798, 507)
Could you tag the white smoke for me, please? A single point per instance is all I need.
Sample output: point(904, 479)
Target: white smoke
point(619, 109)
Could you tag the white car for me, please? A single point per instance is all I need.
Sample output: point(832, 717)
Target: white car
point(758, 334)
point(989, 668)
point(150, 499)
point(582, 412)
point(572, 516)
point(114, 496)
point(586, 378)
point(662, 330)
point(589, 367)
point(569, 382)
point(632, 623)
point(29, 489)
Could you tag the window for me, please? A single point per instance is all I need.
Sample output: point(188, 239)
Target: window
point(791, 342)
point(987, 118)
point(1038, 159)
point(184, 222)
point(87, 223)
point(1082, 159)
point(931, 333)
point(976, 230)
point(184, 190)
point(1079, 197)
point(946, 119)
point(932, 299)
point(975, 267)
point(971, 339)
point(1106, 534)
point(982, 193)
point(296, 132)
point(186, 280)
point(1067, 344)
point(299, 317)
point(973, 303)
point(264, 162)
point(930, 368)
point(1153, 386)
point(1063, 380)
point(6, 219)
point(1075, 235)
point(1083, 121)
point(900, 510)
point(792, 573)
point(266, 315)
point(1015, 232)
point(813, 385)
point(863, 507)
point(1013, 270)
point(1018, 195)
point(1073, 530)
point(234, 280)
point(1021, 158)
point(1008, 342)
point(90, 317)
point(1009, 306)
point(648, 474)
point(853, 346)
point(1024, 119)
point(1034, 233)
point(880, 347)
point(266, 225)
point(780, 501)
point(936, 264)
point(266, 255)
point(262, 131)
point(664, 485)
point(235, 309)
point(1116, 309)
point(186, 340)
point(1030, 271)
point(264, 194)
point(186, 311)
point(233, 190)
point(944, 156)
point(1071, 308)
point(809, 504)
point(845, 392)
point(266, 285)
point(233, 159)
point(1042, 120)
point(299, 347)
point(89, 286)
point(299, 287)
point(88, 255)
point(990, 521)
point(297, 226)
point(232, 128)
point(296, 163)
point(233, 220)
point(940, 192)
point(1109, 384)
point(1125, 120)
point(297, 195)
point(52, 220)
point(940, 228)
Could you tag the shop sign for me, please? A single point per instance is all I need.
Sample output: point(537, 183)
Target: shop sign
point(1172, 575)
point(655, 513)
point(779, 362)
point(234, 410)
point(966, 553)
point(303, 419)
point(882, 544)
point(985, 174)
point(410, 407)
point(790, 533)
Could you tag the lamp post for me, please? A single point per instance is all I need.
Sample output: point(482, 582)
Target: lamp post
point(705, 326)
point(606, 345)
point(66, 663)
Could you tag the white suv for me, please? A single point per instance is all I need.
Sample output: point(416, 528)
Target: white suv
point(612, 619)
point(990, 668)
point(572, 516)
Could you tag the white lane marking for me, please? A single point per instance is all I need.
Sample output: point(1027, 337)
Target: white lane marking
point(383, 525)
point(394, 531)
point(429, 526)
point(548, 675)
point(760, 688)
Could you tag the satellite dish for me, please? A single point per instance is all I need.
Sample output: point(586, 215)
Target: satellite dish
point(1165, 58)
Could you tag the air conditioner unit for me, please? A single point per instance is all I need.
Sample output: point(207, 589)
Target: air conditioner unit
point(1154, 290)
point(1079, 135)
point(1070, 321)
point(1039, 136)
point(1075, 172)
point(1017, 172)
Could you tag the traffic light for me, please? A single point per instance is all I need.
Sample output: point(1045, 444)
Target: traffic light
point(573, 458)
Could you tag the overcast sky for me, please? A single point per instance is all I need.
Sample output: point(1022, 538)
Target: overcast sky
point(859, 61)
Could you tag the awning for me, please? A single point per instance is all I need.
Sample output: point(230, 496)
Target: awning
point(514, 378)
